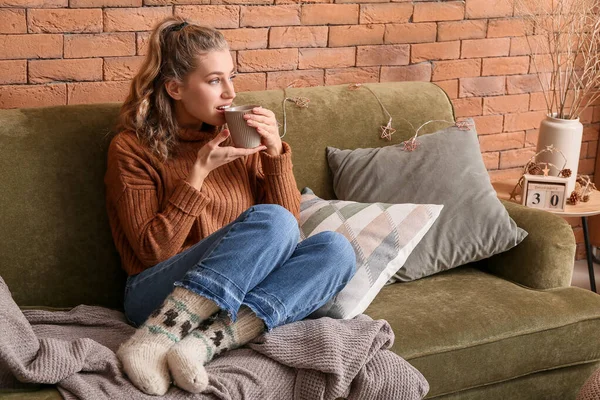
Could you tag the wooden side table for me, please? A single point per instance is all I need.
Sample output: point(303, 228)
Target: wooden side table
point(582, 210)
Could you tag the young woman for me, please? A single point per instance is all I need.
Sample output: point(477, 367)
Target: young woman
point(202, 226)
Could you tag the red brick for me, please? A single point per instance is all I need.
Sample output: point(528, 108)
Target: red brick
point(586, 167)
point(298, 36)
point(134, 19)
point(491, 160)
point(525, 83)
point(141, 42)
point(246, 2)
point(298, 78)
point(540, 63)
point(523, 121)
point(270, 16)
point(515, 158)
point(502, 141)
point(351, 75)
point(467, 107)
point(506, 104)
point(531, 137)
point(382, 55)
point(444, 70)
point(415, 72)
point(487, 124)
point(13, 21)
point(509, 27)
point(267, 60)
point(34, 3)
point(590, 132)
point(596, 117)
point(435, 51)
point(353, 35)
point(482, 86)
point(31, 46)
point(13, 71)
point(446, 11)
point(410, 33)
point(506, 174)
point(537, 101)
point(246, 38)
point(469, 29)
point(488, 9)
point(505, 66)
point(385, 13)
point(175, 2)
point(592, 149)
point(327, 58)
point(450, 87)
point(583, 150)
point(97, 92)
point(121, 68)
point(527, 7)
point(104, 3)
point(64, 20)
point(215, 16)
point(485, 48)
point(329, 14)
point(586, 116)
point(520, 46)
point(251, 82)
point(102, 45)
point(362, 1)
point(45, 71)
point(25, 96)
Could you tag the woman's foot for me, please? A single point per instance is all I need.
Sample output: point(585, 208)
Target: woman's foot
point(187, 358)
point(144, 355)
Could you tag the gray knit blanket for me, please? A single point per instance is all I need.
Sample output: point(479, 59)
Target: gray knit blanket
point(306, 360)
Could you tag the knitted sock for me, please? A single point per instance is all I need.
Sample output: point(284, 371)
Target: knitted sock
point(144, 355)
point(187, 358)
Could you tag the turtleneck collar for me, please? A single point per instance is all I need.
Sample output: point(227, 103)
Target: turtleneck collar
point(195, 135)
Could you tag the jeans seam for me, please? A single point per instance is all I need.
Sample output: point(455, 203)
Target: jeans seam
point(268, 302)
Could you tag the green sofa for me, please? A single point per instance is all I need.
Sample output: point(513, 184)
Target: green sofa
point(508, 327)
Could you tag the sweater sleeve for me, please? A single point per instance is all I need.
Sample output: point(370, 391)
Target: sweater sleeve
point(154, 233)
point(276, 182)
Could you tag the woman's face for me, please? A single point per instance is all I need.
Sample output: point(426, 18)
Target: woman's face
point(203, 93)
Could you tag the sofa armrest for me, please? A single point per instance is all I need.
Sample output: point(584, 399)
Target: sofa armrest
point(545, 258)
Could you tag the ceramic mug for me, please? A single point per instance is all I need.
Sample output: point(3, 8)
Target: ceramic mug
point(242, 135)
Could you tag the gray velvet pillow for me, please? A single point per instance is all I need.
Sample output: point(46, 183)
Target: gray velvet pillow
point(446, 168)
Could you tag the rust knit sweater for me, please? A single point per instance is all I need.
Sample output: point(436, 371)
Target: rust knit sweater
point(155, 214)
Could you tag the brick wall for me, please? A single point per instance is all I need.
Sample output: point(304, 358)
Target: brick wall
point(83, 51)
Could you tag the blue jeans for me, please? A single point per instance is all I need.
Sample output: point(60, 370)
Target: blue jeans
point(255, 261)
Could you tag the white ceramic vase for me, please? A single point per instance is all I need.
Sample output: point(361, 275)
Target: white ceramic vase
point(565, 135)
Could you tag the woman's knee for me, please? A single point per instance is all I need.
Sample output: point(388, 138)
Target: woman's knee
point(340, 252)
point(279, 221)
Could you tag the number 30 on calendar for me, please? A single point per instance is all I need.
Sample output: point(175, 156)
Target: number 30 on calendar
point(544, 192)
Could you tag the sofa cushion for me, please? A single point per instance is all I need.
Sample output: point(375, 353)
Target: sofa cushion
point(465, 328)
point(446, 168)
point(382, 236)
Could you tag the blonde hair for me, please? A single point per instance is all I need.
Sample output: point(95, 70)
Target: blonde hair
point(173, 49)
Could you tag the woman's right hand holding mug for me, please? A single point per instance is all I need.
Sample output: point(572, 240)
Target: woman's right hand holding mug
point(212, 156)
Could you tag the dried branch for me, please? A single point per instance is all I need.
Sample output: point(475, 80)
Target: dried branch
point(571, 39)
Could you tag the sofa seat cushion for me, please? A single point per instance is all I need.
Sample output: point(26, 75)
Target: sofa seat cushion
point(508, 331)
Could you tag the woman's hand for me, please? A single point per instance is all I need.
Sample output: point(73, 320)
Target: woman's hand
point(266, 125)
point(212, 156)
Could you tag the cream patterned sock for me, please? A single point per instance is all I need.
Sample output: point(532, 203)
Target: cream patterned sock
point(187, 358)
point(144, 355)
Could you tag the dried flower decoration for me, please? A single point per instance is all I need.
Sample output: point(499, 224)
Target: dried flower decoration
point(535, 168)
point(583, 187)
